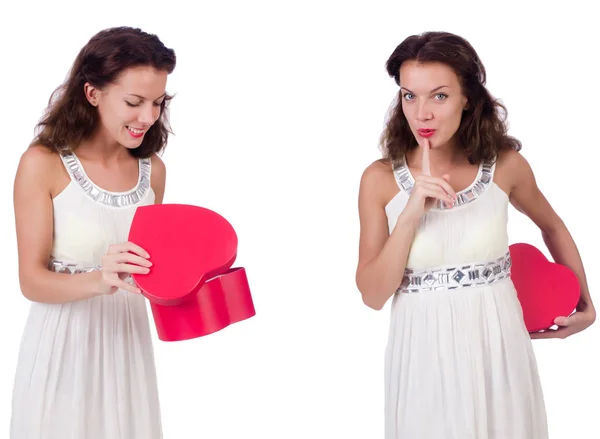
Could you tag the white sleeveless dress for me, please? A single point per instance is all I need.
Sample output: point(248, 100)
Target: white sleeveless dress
point(459, 361)
point(86, 368)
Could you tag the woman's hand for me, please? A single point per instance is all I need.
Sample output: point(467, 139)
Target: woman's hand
point(428, 190)
point(119, 262)
point(583, 317)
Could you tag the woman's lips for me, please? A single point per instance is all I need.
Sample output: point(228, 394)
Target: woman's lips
point(426, 132)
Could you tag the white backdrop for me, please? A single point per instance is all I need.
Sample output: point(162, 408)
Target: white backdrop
point(278, 110)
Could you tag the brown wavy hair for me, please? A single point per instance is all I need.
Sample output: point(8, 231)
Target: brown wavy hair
point(482, 133)
point(69, 118)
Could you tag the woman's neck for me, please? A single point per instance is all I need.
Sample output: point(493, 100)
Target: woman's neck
point(102, 149)
point(441, 159)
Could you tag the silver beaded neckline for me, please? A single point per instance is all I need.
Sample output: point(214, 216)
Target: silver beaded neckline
point(113, 199)
point(484, 178)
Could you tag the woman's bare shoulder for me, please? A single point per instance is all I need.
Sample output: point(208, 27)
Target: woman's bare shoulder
point(378, 181)
point(511, 168)
point(381, 168)
point(42, 166)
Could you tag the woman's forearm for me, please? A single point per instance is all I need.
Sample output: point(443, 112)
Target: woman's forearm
point(379, 279)
point(562, 247)
point(45, 286)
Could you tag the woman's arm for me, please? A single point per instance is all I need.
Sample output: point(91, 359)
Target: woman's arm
point(382, 256)
point(35, 176)
point(526, 197)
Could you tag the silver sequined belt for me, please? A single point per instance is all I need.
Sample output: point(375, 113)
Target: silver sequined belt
point(67, 267)
point(458, 276)
point(71, 267)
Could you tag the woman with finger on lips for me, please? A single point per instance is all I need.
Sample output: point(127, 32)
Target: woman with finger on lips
point(86, 365)
point(433, 213)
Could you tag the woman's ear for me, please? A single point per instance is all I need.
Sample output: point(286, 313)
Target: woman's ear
point(91, 94)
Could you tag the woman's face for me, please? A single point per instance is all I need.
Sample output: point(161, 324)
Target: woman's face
point(432, 101)
point(131, 105)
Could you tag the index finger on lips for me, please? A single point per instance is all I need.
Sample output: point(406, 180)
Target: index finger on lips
point(426, 167)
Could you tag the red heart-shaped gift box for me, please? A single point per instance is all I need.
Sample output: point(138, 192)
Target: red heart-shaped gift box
point(545, 289)
point(191, 287)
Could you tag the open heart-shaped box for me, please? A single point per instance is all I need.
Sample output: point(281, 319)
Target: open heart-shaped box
point(192, 288)
point(545, 289)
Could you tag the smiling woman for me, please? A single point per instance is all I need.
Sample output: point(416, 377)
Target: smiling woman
point(86, 363)
point(118, 78)
point(130, 122)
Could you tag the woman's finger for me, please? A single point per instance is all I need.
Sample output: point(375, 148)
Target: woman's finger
point(550, 333)
point(426, 167)
point(130, 258)
point(439, 194)
point(116, 268)
point(123, 285)
point(125, 247)
point(440, 182)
